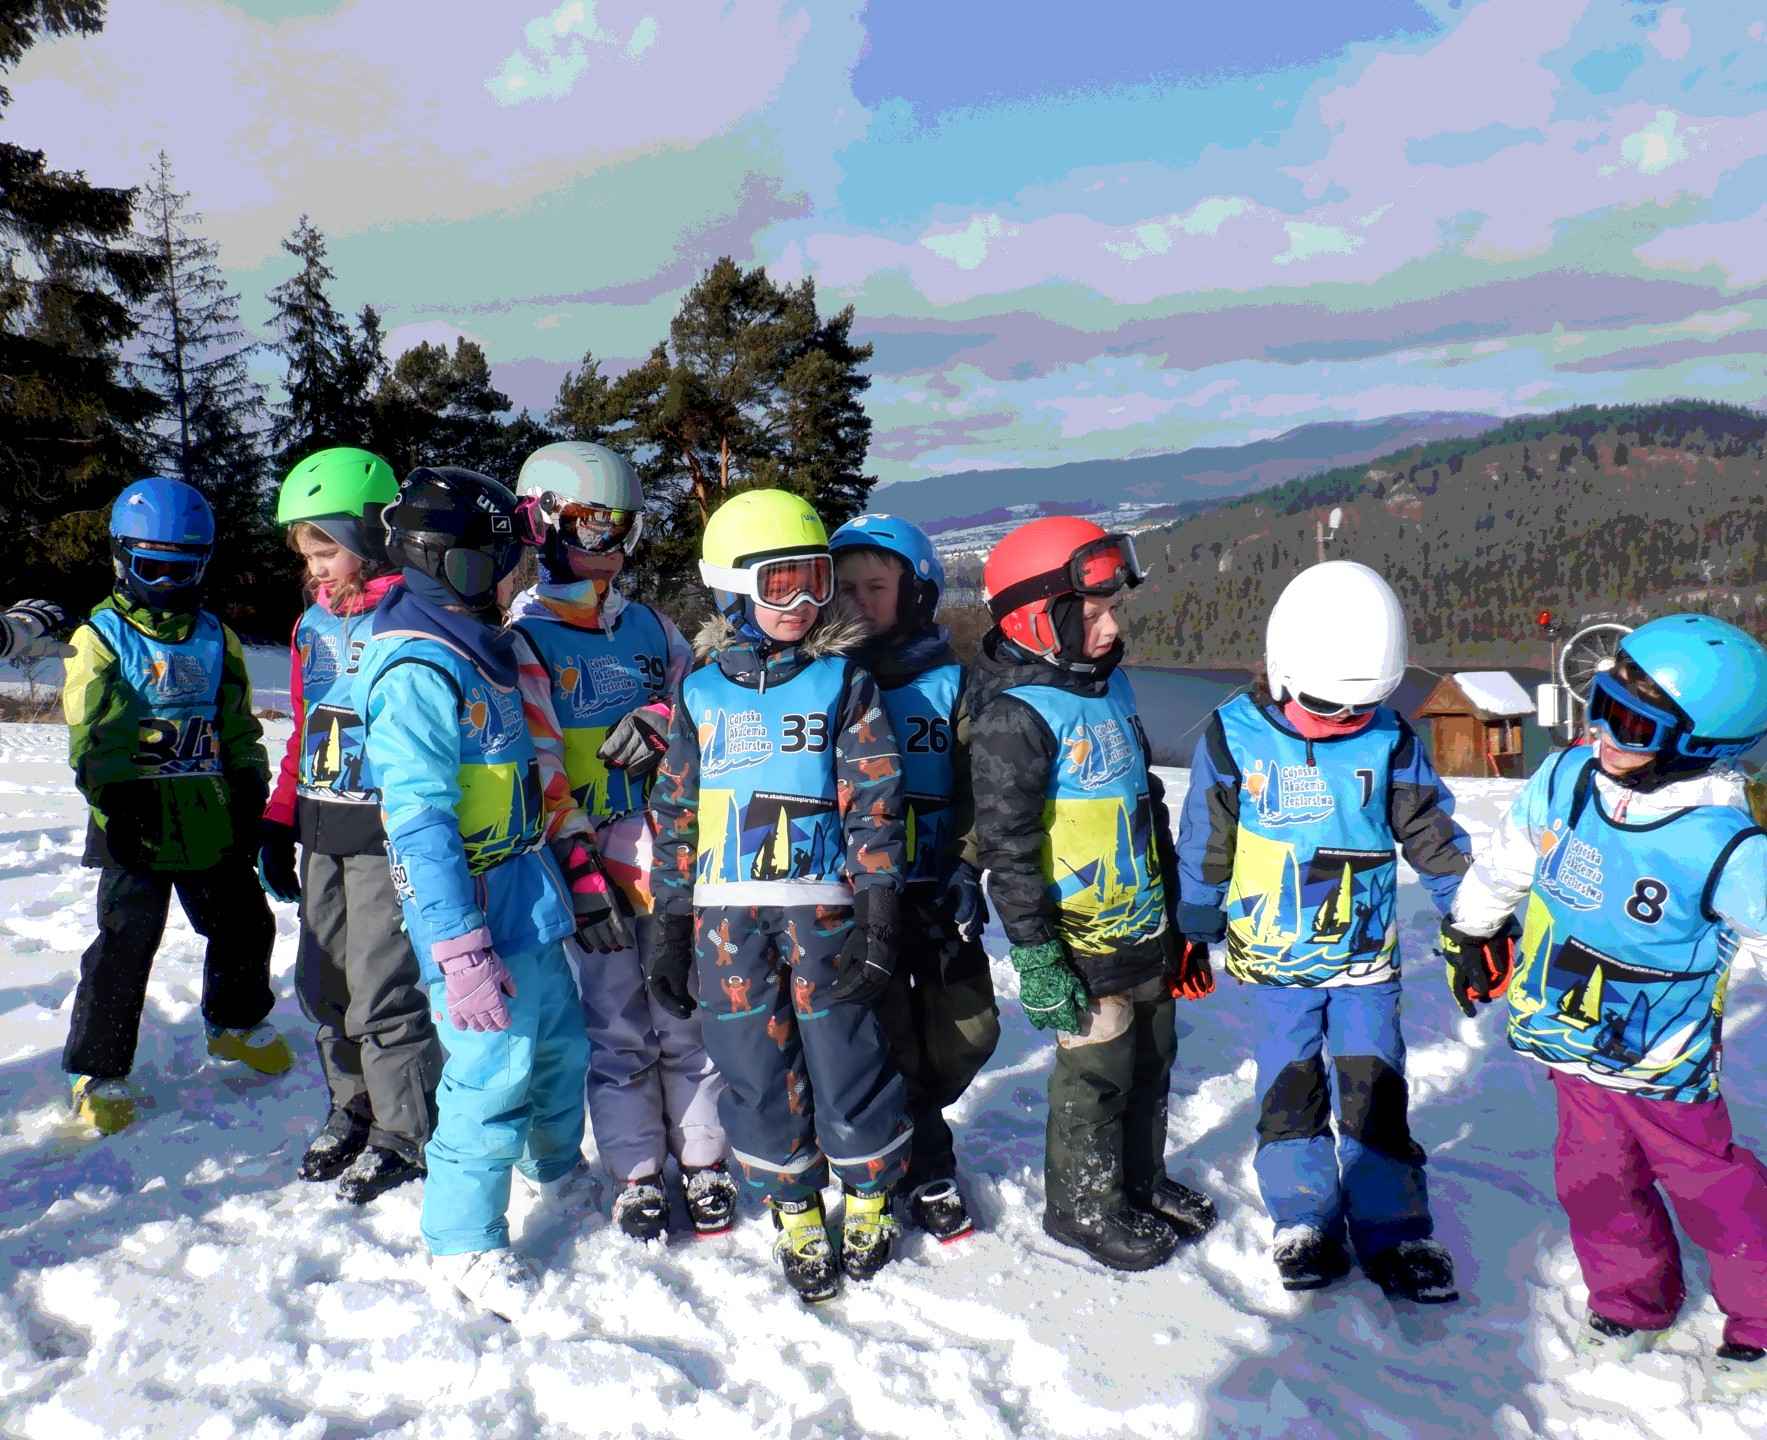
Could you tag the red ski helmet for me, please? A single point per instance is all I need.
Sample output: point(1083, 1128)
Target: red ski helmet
point(1034, 567)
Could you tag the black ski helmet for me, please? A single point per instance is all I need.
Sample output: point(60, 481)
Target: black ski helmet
point(457, 526)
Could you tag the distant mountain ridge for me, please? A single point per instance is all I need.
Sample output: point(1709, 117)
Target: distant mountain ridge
point(1207, 473)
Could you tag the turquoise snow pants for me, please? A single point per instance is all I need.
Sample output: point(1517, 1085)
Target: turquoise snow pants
point(508, 1098)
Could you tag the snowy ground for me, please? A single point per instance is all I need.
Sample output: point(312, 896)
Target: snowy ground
point(178, 1281)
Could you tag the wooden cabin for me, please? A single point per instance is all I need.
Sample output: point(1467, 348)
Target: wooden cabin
point(1477, 722)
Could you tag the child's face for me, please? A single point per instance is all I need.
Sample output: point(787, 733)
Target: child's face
point(1102, 630)
point(786, 626)
point(1615, 761)
point(872, 584)
point(328, 563)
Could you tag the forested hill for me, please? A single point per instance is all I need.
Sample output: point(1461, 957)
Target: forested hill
point(1616, 512)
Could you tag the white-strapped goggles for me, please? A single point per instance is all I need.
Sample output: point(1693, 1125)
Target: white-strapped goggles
point(776, 582)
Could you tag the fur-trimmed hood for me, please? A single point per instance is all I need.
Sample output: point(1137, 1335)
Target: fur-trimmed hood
point(840, 631)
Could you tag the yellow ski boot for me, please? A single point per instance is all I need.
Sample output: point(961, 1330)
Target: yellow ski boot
point(259, 1047)
point(867, 1233)
point(803, 1250)
point(106, 1105)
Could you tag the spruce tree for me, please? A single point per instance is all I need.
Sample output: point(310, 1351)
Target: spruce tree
point(329, 366)
point(71, 419)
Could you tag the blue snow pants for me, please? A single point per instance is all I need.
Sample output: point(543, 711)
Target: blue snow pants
point(508, 1098)
point(1370, 1177)
point(809, 1086)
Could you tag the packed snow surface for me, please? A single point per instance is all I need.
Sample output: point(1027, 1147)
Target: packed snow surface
point(178, 1280)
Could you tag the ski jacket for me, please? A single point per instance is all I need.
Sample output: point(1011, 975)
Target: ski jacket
point(322, 789)
point(161, 730)
point(578, 681)
point(460, 786)
point(1636, 906)
point(922, 686)
point(1286, 844)
point(1070, 820)
point(782, 785)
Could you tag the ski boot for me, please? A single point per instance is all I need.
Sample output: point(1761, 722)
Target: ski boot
point(259, 1047)
point(334, 1148)
point(867, 1233)
point(1190, 1213)
point(575, 1191)
point(711, 1198)
point(1741, 1370)
point(937, 1207)
point(641, 1210)
point(1123, 1239)
point(1308, 1259)
point(1605, 1339)
point(1420, 1271)
point(106, 1105)
point(499, 1281)
point(374, 1172)
point(803, 1250)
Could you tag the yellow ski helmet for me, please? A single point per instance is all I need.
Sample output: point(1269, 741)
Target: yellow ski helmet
point(769, 546)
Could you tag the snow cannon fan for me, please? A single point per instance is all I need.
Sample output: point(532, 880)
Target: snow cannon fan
point(1589, 652)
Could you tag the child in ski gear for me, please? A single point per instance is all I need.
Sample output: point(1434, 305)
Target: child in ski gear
point(1070, 826)
point(779, 834)
point(938, 1011)
point(1297, 799)
point(598, 684)
point(29, 629)
point(1643, 876)
point(486, 908)
point(169, 756)
point(356, 974)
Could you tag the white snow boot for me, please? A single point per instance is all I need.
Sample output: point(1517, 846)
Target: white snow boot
point(577, 1191)
point(499, 1281)
point(1605, 1339)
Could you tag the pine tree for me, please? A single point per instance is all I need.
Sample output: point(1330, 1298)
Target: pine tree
point(71, 420)
point(440, 408)
point(329, 367)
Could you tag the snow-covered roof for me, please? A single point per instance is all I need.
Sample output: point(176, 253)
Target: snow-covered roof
point(1496, 692)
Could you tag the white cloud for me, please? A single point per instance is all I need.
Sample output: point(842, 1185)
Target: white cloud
point(1307, 240)
point(967, 247)
point(643, 36)
point(1209, 215)
point(1657, 146)
point(1673, 37)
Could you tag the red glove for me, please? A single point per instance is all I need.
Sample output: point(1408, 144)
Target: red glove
point(1191, 976)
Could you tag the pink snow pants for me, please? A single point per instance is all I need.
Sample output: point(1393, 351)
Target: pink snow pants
point(1613, 1151)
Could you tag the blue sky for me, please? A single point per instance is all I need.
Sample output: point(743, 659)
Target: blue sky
point(1071, 231)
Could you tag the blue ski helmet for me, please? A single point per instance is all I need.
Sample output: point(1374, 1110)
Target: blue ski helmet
point(1715, 673)
point(162, 534)
point(924, 584)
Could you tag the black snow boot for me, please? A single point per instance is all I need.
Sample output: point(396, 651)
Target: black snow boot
point(805, 1254)
point(332, 1150)
point(1190, 1213)
point(1309, 1260)
point(641, 1210)
point(937, 1207)
point(1416, 1270)
point(374, 1172)
point(711, 1198)
point(1123, 1239)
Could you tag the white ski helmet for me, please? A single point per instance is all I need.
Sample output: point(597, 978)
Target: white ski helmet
point(571, 475)
point(1336, 634)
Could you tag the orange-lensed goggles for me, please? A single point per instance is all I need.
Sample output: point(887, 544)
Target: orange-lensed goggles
point(787, 583)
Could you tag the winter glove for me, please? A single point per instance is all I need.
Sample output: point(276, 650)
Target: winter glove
point(667, 965)
point(28, 622)
point(476, 981)
point(247, 794)
point(1479, 966)
point(639, 742)
point(276, 861)
point(1053, 996)
point(868, 958)
point(131, 810)
point(1191, 976)
point(604, 919)
point(962, 899)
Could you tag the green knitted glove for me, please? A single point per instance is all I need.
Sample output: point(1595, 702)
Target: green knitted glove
point(1053, 997)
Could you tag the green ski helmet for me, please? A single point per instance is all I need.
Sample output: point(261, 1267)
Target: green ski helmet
point(590, 500)
point(341, 491)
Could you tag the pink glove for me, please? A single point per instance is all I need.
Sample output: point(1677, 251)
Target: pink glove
point(476, 981)
point(604, 919)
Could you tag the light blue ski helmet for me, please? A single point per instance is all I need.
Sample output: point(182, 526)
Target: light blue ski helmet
point(1715, 673)
point(924, 584)
point(162, 534)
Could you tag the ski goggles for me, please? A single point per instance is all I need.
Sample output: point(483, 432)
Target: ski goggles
point(595, 529)
point(1332, 710)
point(1633, 724)
point(474, 573)
point(168, 569)
point(1100, 567)
point(777, 584)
